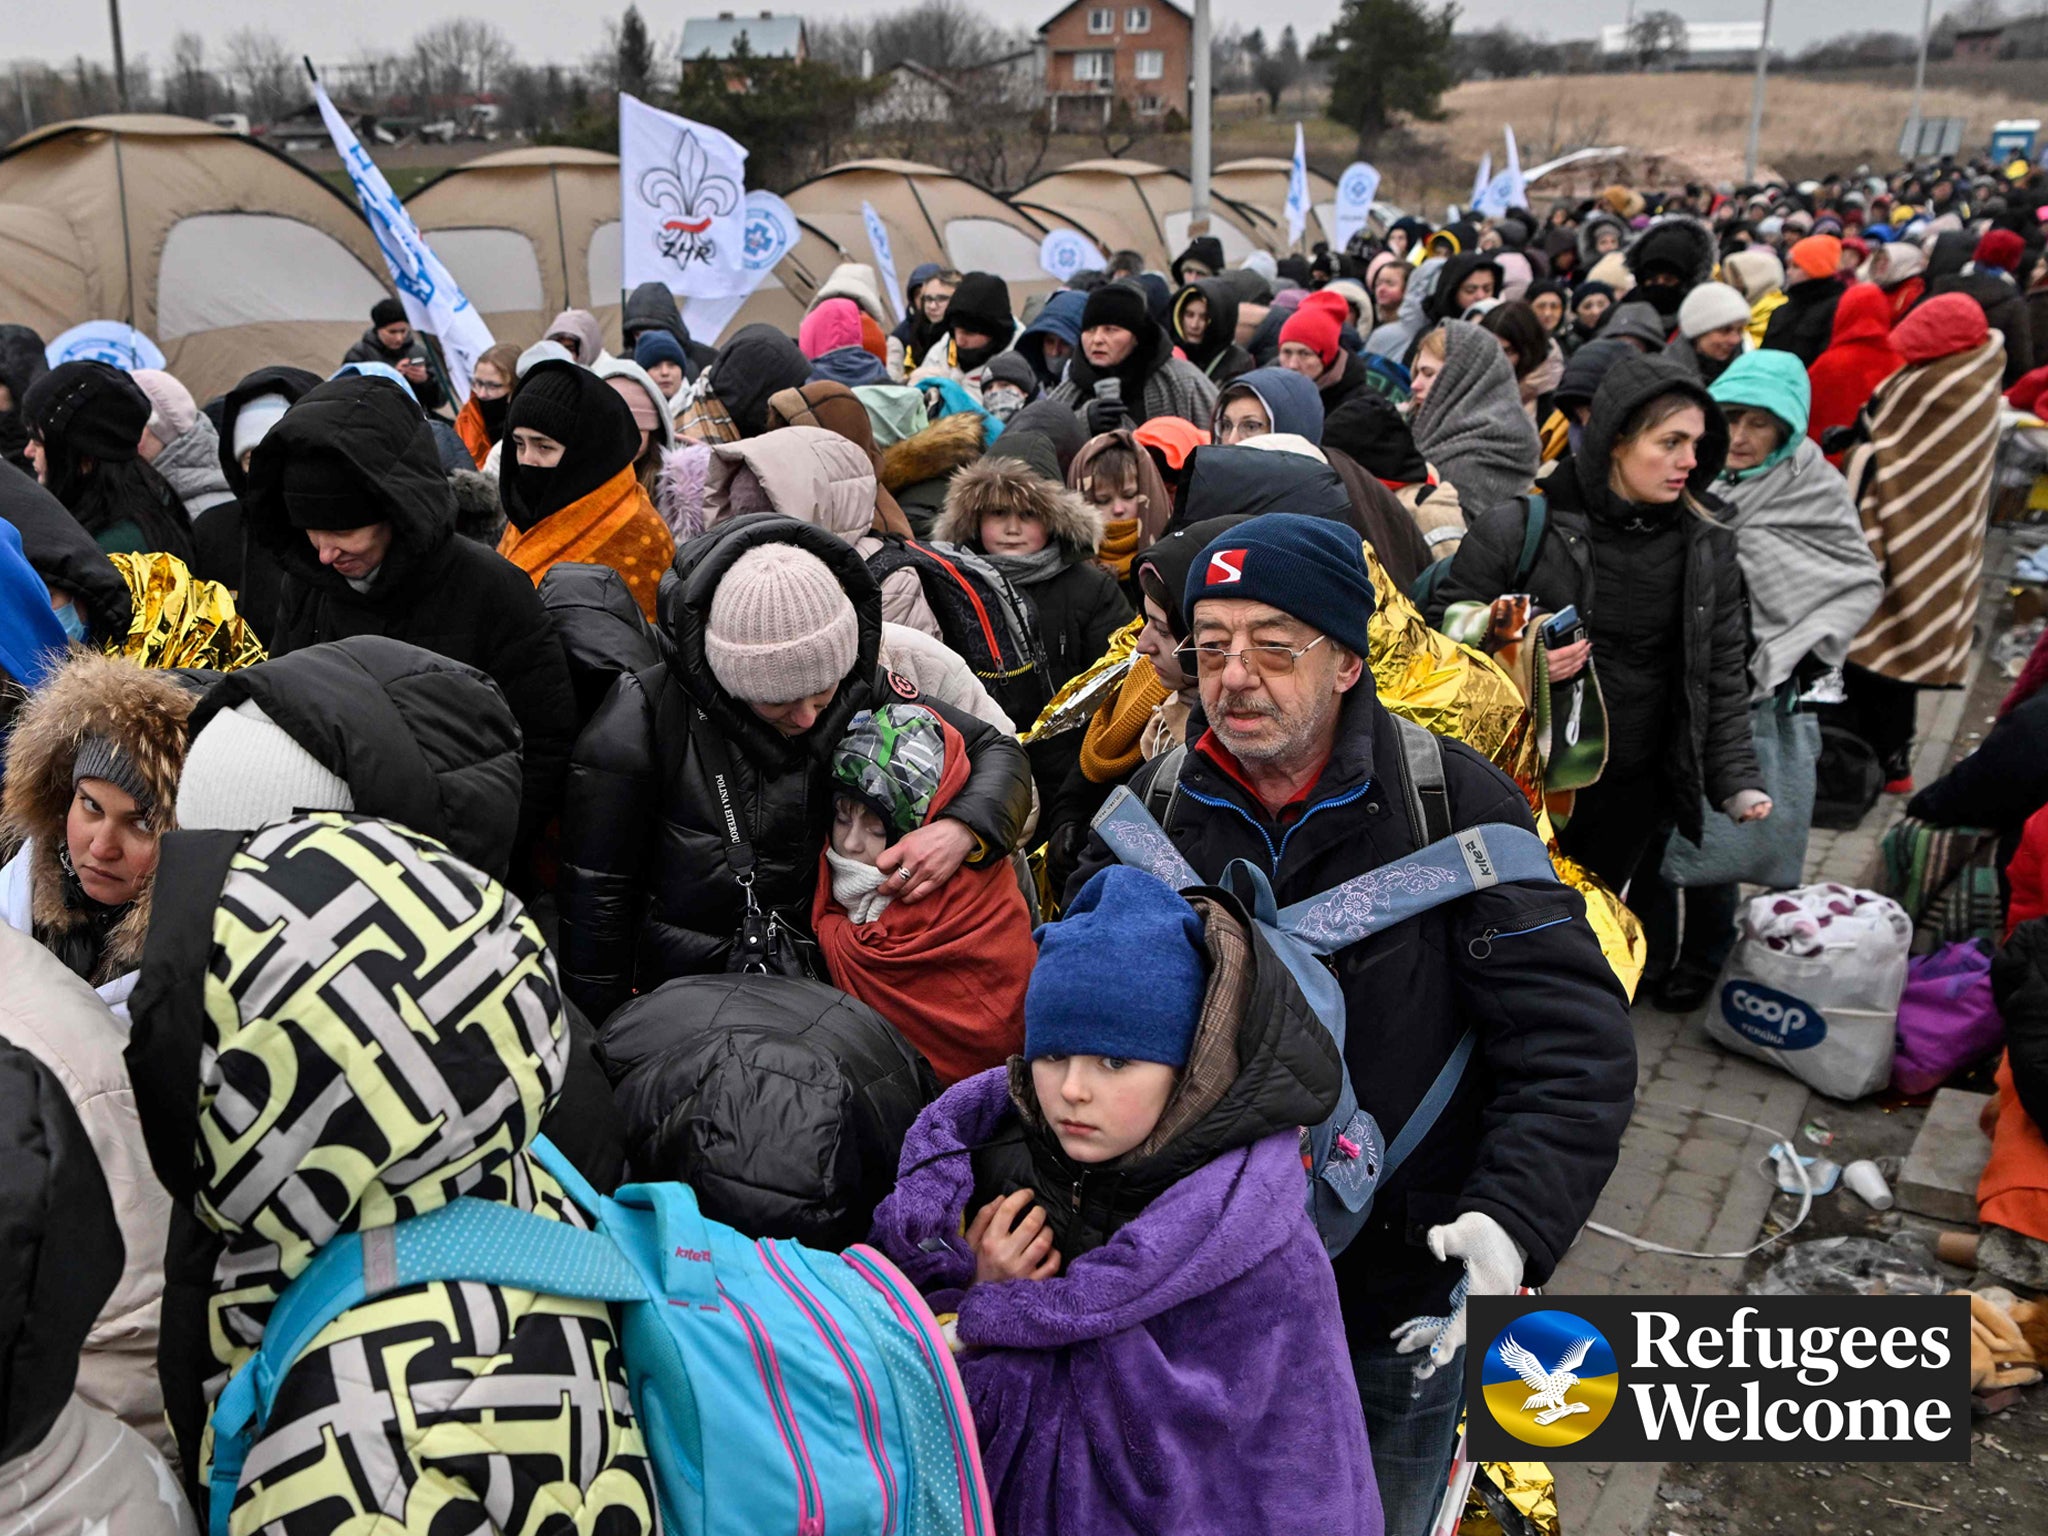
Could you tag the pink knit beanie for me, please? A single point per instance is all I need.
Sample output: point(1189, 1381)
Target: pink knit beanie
point(781, 627)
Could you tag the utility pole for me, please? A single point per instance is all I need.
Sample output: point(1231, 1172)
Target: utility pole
point(120, 56)
point(1756, 97)
point(1198, 125)
point(1919, 84)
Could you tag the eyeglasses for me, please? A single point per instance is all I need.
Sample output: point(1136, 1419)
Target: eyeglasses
point(1265, 660)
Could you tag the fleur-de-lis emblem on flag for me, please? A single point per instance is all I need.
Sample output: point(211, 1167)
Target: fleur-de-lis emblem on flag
point(690, 196)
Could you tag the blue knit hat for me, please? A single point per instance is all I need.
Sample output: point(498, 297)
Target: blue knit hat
point(1310, 568)
point(659, 346)
point(1122, 974)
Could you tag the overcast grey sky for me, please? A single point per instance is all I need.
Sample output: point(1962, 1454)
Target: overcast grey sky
point(552, 29)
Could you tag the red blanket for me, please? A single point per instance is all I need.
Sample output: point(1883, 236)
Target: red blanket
point(949, 972)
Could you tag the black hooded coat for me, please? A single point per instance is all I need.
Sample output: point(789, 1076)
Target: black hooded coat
point(1667, 613)
point(646, 891)
point(445, 594)
point(652, 307)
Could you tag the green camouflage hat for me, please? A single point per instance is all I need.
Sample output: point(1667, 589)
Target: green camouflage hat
point(892, 759)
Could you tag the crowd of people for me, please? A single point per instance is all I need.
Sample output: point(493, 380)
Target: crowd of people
point(390, 771)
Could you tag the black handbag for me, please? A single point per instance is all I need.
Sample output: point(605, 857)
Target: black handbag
point(765, 944)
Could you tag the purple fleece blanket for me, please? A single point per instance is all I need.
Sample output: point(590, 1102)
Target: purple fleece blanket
point(1188, 1378)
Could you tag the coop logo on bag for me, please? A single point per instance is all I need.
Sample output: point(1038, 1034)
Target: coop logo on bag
point(1770, 1017)
point(1720, 1378)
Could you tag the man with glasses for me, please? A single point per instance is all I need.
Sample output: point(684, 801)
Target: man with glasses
point(1295, 766)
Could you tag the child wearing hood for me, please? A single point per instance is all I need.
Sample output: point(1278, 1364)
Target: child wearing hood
point(1149, 1331)
point(950, 971)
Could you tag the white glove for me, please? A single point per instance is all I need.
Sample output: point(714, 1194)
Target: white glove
point(1493, 1267)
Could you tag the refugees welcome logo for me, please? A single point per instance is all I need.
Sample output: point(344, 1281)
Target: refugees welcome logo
point(1550, 1379)
point(1721, 1378)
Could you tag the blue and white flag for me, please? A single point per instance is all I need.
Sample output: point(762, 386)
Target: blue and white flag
point(885, 257)
point(1063, 252)
point(1297, 191)
point(1508, 189)
point(1481, 181)
point(433, 301)
point(1356, 189)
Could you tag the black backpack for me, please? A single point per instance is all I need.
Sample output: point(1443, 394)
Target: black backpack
point(983, 618)
point(1535, 523)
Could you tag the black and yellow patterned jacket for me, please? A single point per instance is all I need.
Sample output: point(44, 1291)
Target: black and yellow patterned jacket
point(341, 1025)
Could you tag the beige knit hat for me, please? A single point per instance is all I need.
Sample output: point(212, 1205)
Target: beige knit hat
point(781, 627)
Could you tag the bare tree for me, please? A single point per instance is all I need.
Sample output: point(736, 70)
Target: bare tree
point(463, 57)
point(262, 70)
point(190, 89)
point(1276, 69)
point(1657, 37)
point(944, 35)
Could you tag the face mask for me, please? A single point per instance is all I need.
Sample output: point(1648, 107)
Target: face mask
point(1002, 401)
point(493, 413)
point(72, 621)
point(1665, 300)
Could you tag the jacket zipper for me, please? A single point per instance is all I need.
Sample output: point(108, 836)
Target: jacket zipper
point(1491, 934)
point(1274, 852)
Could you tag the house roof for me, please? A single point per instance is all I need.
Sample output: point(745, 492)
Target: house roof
point(925, 73)
point(1168, 5)
point(768, 37)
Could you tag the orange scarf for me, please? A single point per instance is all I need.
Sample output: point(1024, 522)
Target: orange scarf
point(469, 426)
point(1112, 748)
point(615, 525)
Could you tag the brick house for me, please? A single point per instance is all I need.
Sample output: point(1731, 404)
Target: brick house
point(1100, 52)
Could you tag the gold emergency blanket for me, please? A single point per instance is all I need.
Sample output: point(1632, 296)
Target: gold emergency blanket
point(1527, 1486)
point(180, 620)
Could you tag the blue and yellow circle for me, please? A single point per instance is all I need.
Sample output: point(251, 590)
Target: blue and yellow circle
point(1525, 1379)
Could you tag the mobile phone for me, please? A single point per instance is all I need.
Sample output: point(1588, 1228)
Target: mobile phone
point(1563, 628)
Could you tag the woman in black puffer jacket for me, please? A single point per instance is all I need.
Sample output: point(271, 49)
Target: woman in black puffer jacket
point(647, 891)
point(1632, 542)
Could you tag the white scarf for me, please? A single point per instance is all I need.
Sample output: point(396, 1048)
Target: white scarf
point(857, 887)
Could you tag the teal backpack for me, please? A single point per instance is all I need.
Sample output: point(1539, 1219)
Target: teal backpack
point(1348, 1155)
point(779, 1388)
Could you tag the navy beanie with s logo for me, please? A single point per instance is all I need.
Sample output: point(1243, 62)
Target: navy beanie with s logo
point(1310, 568)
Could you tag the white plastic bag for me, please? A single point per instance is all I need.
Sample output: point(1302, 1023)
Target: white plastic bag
point(1813, 987)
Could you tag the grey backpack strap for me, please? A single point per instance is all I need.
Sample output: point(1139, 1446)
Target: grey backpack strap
point(1429, 800)
point(1165, 787)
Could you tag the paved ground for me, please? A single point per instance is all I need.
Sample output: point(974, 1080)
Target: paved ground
point(1691, 1182)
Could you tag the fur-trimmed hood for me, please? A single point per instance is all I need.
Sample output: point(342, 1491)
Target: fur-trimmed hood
point(998, 482)
point(1680, 239)
point(940, 449)
point(144, 712)
point(1593, 221)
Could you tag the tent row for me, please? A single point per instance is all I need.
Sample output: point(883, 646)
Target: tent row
point(232, 255)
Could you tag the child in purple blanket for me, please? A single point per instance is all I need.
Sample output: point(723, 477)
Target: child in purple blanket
point(1149, 1330)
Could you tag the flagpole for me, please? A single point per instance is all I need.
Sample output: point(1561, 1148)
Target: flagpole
point(1200, 91)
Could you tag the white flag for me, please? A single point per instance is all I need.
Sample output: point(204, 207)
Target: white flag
point(1297, 191)
point(682, 204)
point(1485, 176)
point(1356, 189)
point(885, 256)
point(433, 302)
point(1507, 190)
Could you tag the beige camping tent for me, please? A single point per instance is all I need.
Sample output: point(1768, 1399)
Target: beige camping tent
point(931, 215)
point(1131, 204)
point(1261, 184)
point(529, 233)
point(229, 254)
